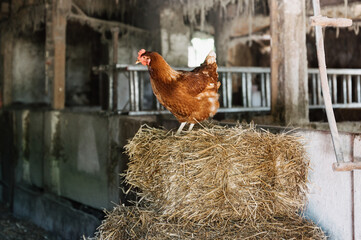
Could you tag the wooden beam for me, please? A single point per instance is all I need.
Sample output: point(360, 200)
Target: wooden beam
point(55, 48)
point(5, 8)
point(330, 22)
point(289, 80)
point(335, 2)
point(59, 36)
point(99, 24)
point(346, 166)
point(240, 26)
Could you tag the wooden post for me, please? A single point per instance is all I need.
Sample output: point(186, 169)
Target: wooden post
point(55, 49)
point(7, 81)
point(289, 97)
point(325, 88)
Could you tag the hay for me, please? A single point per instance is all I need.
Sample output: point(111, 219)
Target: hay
point(135, 223)
point(219, 173)
point(214, 183)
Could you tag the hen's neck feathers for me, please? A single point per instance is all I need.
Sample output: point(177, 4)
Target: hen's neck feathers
point(160, 70)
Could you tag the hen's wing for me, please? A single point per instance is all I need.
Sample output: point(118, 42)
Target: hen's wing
point(203, 77)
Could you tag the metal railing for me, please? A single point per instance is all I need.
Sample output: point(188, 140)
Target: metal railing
point(345, 88)
point(243, 89)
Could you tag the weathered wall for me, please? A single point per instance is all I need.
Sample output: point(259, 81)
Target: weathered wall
point(341, 51)
point(29, 70)
point(53, 162)
point(175, 37)
point(84, 49)
point(331, 196)
point(233, 33)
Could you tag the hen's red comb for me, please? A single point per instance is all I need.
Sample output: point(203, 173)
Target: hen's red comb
point(141, 51)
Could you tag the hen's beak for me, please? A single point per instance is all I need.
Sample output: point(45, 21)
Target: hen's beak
point(137, 62)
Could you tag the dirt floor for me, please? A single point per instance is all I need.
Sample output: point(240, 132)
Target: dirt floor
point(12, 228)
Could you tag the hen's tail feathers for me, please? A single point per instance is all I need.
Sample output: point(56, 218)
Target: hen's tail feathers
point(211, 58)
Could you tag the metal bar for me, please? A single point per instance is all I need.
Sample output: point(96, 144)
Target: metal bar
point(115, 32)
point(314, 87)
point(229, 90)
point(344, 90)
point(126, 67)
point(358, 89)
point(244, 96)
point(338, 71)
point(249, 89)
point(244, 69)
point(158, 105)
point(141, 90)
point(349, 88)
point(337, 105)
point(136, 91)
point(268, 89)
point(220, 110)
point(224, 90)
point(131, 91)
point(325, 88)
point(319, 95)
point(330, 85)
point(101, 91)
point(263, 90)
point(110, 90)
point(334, 83)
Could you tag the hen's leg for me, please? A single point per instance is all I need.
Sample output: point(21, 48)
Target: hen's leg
point(180, 128)
point(190, 127)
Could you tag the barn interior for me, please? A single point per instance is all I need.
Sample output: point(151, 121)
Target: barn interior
point(71, 96)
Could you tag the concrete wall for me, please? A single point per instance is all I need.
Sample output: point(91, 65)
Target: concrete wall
point(62, 160)
point(72, 154)
point(175, 37)
point(333, 197)
point(67, 159)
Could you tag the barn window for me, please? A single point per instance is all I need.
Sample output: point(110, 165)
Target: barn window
point(199, 49)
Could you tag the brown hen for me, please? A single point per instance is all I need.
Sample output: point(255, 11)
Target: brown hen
point(190, 96)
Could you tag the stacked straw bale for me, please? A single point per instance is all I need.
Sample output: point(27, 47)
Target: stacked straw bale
point(219, 173)
point(214, 183)
point(125, 223)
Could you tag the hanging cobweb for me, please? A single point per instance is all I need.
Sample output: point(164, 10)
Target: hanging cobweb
point(196, 11)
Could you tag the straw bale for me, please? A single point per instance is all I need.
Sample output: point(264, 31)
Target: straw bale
point(135, 223)
point(217, 174)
